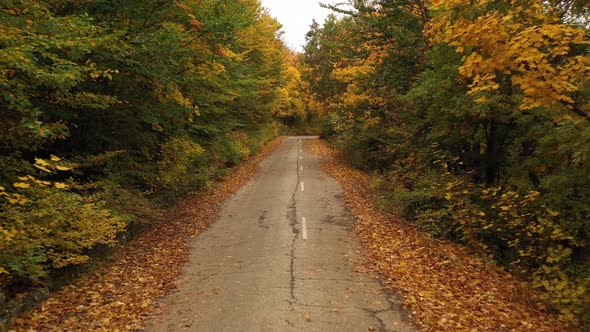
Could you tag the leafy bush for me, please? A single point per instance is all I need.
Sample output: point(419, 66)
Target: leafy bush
point(127, 201)
point(264, 134)
point(519, 230)
point(236, 147)
point(43, 228)
point(176, 168)
point(524, 233)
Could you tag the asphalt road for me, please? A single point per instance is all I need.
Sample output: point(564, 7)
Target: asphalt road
point(281, 257)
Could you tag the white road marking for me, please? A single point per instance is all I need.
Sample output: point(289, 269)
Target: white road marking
point(302, 186)
point(304, 228)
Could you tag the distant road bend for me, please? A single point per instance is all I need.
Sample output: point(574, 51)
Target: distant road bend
point(281, 257)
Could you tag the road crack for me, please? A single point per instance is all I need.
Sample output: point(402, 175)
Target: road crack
point(261, 220)
point(292, 217)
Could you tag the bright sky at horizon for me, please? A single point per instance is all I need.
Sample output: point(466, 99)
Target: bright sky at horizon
point(296, 16)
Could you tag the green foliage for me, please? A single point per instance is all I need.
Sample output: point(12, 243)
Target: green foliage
point(238, 145)
point(130, 202)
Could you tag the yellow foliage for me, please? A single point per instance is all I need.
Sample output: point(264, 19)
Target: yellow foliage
point(29, 182)
point(209, 71)
point(43, 228)
point(240, 140)
point(175, 163)
point(21, 185)
point(171, 93)
point(63, 168)
point(357, 95)
point(522, 43)
point(293, 99)
point(53, 164)
point(60, 185)
point(351, 73)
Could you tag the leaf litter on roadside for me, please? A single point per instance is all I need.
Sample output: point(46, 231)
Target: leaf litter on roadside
point(444, 287)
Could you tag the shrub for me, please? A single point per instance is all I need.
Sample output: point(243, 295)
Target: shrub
point(176, 167)
point(521, 231)
point(518, 229)
point(43, 227)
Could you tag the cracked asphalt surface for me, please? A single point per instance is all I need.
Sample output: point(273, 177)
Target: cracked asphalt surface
point(261, 267)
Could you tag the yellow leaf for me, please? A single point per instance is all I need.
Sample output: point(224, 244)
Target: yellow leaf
point(60, 185)
point(553, 213)
point(21, 185)
point(55, 158)
point(482, 100)
point(3, 271)
point(43, 183)
point(41, 162)
point(42, 168)
point(62, 168)
point(20, 200)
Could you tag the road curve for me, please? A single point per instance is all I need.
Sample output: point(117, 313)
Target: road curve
point(281, 257)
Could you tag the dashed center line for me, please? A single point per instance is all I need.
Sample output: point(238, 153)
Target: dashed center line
point(303, 220)
point(304, 228)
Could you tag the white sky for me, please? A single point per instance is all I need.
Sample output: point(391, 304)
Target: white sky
point(296, 17)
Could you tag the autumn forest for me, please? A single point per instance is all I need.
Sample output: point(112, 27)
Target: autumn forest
point(471, 119)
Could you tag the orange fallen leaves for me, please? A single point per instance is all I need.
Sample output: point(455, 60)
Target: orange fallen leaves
point(122, 294)
point(444, 287)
